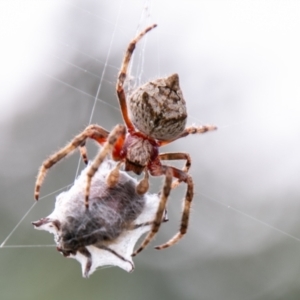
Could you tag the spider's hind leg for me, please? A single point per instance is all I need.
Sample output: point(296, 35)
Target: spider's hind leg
point(161, 211)
point(185, 214)
point(170, 172)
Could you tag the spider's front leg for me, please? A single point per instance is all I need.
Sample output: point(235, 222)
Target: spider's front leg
point(94, 132)
point(122, 77)
point(113, 145)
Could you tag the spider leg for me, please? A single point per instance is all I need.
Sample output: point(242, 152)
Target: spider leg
point(160, 211)
point(122, 77)
point(190, 130)
point(116, 136)
point(94, 132)
point(177, 156)
point(182, 176)
point(83, 152)
point(143, 186)
point(157, 169)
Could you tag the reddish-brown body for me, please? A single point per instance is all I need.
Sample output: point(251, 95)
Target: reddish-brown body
point(138, 151)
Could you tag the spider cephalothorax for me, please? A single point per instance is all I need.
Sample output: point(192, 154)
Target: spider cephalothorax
point(156, 117)
point(138, 151)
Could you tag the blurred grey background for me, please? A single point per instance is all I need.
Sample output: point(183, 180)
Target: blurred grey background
point(239, 65)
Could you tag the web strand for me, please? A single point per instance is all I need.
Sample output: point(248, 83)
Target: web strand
point(18, 224)
point(250, 217)
point(26, 214)
point(102, 76)
point(81, 91)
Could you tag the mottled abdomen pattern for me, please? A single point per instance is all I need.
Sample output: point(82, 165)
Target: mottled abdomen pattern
point(158, 108)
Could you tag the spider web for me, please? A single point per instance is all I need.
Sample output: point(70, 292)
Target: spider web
point(215, 199)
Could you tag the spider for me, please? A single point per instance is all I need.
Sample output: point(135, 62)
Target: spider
point(156, 117)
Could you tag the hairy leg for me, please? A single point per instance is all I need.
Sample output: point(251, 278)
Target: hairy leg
point(177, 156)
point(123, 74)
point(160, 211)
point(156, 170)
point(190, 130)
point(185, 214)
point(94, 132)
point(116, 137)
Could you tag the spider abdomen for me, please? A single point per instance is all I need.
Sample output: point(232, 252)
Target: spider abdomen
point(158, 108)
